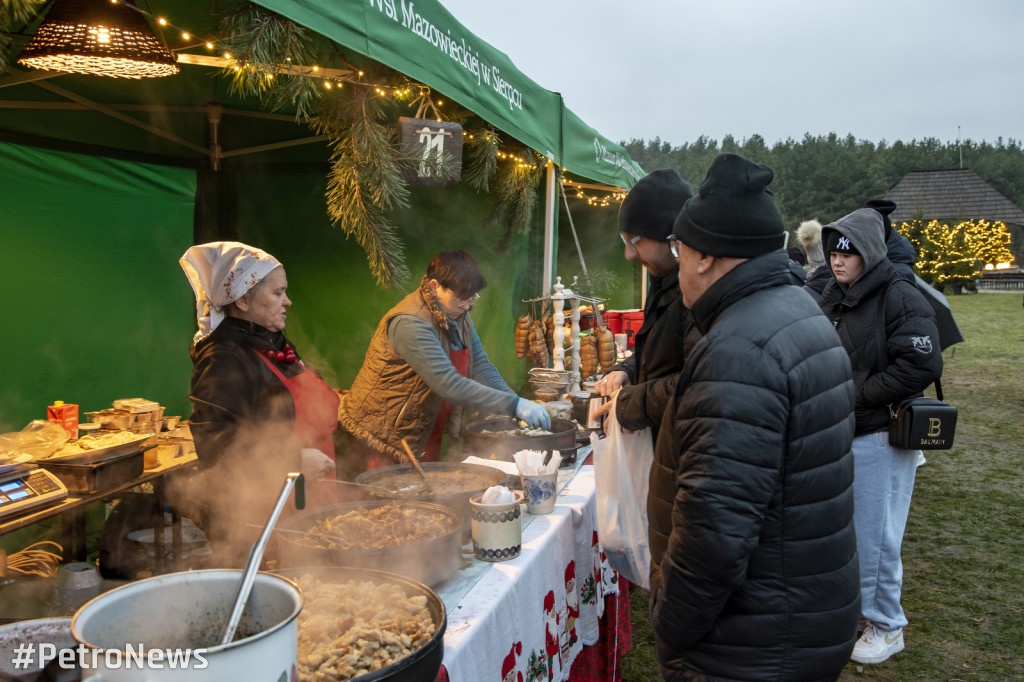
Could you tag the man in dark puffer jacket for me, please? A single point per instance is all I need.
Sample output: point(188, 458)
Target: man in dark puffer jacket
point(754, 564)
point(646, 218)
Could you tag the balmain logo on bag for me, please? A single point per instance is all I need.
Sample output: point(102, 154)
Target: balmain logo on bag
point(922, 424)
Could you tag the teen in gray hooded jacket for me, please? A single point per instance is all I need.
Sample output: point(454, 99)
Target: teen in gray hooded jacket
point(888, 328)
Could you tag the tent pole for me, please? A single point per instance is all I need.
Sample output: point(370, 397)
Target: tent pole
point(550, 208)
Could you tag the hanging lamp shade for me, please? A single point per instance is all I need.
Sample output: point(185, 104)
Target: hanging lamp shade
point(98, 37)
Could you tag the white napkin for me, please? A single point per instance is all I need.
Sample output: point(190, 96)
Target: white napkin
point(497, 494)
point(531, 462)
point(507, 467)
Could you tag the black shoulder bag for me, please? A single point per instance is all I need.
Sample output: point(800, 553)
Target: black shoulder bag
point(917, 423)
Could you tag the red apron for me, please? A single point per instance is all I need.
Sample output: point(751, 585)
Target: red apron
point(460, 361)
point(316, 418)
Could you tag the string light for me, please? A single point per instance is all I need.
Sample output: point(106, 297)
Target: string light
point(396, 92)
point(959, 252)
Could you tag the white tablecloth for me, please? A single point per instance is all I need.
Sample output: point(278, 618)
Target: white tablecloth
point(527, 618)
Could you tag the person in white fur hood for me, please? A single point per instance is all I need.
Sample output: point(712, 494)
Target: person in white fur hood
point(818, 271)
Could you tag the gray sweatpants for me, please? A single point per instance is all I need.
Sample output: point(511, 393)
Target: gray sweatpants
point(883, 484)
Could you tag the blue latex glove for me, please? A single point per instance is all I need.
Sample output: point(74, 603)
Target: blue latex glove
point(533, 414)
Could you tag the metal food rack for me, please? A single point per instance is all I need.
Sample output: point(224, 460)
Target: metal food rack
point(558, 298)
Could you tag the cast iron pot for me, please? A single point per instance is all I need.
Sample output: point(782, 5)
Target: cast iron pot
point(501, 447)
point(421, 665)
point(458, 501)
point(429, 561)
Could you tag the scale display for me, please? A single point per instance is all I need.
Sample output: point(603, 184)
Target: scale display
point(27, 487)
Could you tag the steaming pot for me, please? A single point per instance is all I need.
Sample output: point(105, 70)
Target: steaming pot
point(189, 611)
point(428, 561)
point(483, 439)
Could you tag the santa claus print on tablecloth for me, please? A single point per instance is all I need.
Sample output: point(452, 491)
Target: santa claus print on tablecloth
point(554, 632)
point(510, 667)
point(572, 604)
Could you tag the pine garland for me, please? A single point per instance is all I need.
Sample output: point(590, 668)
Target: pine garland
point(515, 198)
point(481, 156)
point(597, 283)
point(365, 181)
point(269, 49)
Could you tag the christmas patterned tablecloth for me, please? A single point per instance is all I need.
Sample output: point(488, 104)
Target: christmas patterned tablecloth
point(528, 618)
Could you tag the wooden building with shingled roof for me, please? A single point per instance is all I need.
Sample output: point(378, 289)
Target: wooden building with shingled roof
point(955, 195)
point(951, 195)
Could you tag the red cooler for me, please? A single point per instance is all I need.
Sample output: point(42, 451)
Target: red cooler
point(632, 320)
point(613, 321)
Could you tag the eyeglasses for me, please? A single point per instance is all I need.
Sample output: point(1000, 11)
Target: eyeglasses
point(672, 245)
point(629, 242)
point(471, 300)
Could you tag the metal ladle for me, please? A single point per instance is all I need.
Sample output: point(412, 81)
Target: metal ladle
point(293, 480)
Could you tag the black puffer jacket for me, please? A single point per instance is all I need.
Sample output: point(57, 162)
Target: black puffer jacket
point(657, 356)
point(892, 364)
point(754, 561)
point(657, 343)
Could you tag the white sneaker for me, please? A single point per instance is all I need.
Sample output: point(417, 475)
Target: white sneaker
point(920, 458)
point(875, 646)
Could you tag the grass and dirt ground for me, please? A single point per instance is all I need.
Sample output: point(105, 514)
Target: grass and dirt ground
point(963, 552)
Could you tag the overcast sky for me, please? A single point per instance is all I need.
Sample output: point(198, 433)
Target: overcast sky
point(679, 69)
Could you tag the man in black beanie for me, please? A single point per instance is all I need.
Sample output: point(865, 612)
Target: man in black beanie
point(754, 571)
point(645, 222)
point(898, 248)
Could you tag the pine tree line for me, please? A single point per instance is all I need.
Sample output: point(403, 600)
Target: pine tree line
point(826, 177)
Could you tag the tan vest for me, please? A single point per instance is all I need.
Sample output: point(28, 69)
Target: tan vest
point(388, 400)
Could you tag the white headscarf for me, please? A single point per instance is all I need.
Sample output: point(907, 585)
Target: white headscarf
point(222, 272)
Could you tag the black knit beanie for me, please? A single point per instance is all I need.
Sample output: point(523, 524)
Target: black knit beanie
point(840, 243)
point(884, 207)
point(734, 214)
point(651, 207)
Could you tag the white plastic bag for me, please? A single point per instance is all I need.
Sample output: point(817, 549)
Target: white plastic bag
point(622, 463)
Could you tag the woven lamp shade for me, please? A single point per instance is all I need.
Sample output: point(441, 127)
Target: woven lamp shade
point(98, 37)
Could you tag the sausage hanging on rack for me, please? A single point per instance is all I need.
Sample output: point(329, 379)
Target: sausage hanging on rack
point(538, 351)
point(589, 361)
point(606, 348)
point(523, 325)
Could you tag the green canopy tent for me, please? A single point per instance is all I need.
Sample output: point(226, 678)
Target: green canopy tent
point(115, 178)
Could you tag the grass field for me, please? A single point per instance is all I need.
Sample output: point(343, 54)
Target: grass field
point(963, 552)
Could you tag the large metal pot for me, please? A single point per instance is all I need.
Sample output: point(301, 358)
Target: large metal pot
point(46, 637)
point(431, 561)
point(188, 612)
point(420, 666)
point(477, 479)
point(483, 440)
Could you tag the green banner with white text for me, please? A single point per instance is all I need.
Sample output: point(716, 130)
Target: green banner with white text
point(425, 42)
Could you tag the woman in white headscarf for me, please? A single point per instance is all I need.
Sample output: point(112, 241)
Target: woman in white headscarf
point(258, 411)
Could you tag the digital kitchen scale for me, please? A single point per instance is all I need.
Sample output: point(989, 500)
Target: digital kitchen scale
point(26, 487)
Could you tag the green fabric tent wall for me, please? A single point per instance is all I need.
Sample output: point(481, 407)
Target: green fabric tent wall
point(280, 207)
point(96, 306)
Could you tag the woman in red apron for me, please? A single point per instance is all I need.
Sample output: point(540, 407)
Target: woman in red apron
point(424, 365)
point(258, 411)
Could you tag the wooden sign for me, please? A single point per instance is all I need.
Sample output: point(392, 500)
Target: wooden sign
point(430, 140)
